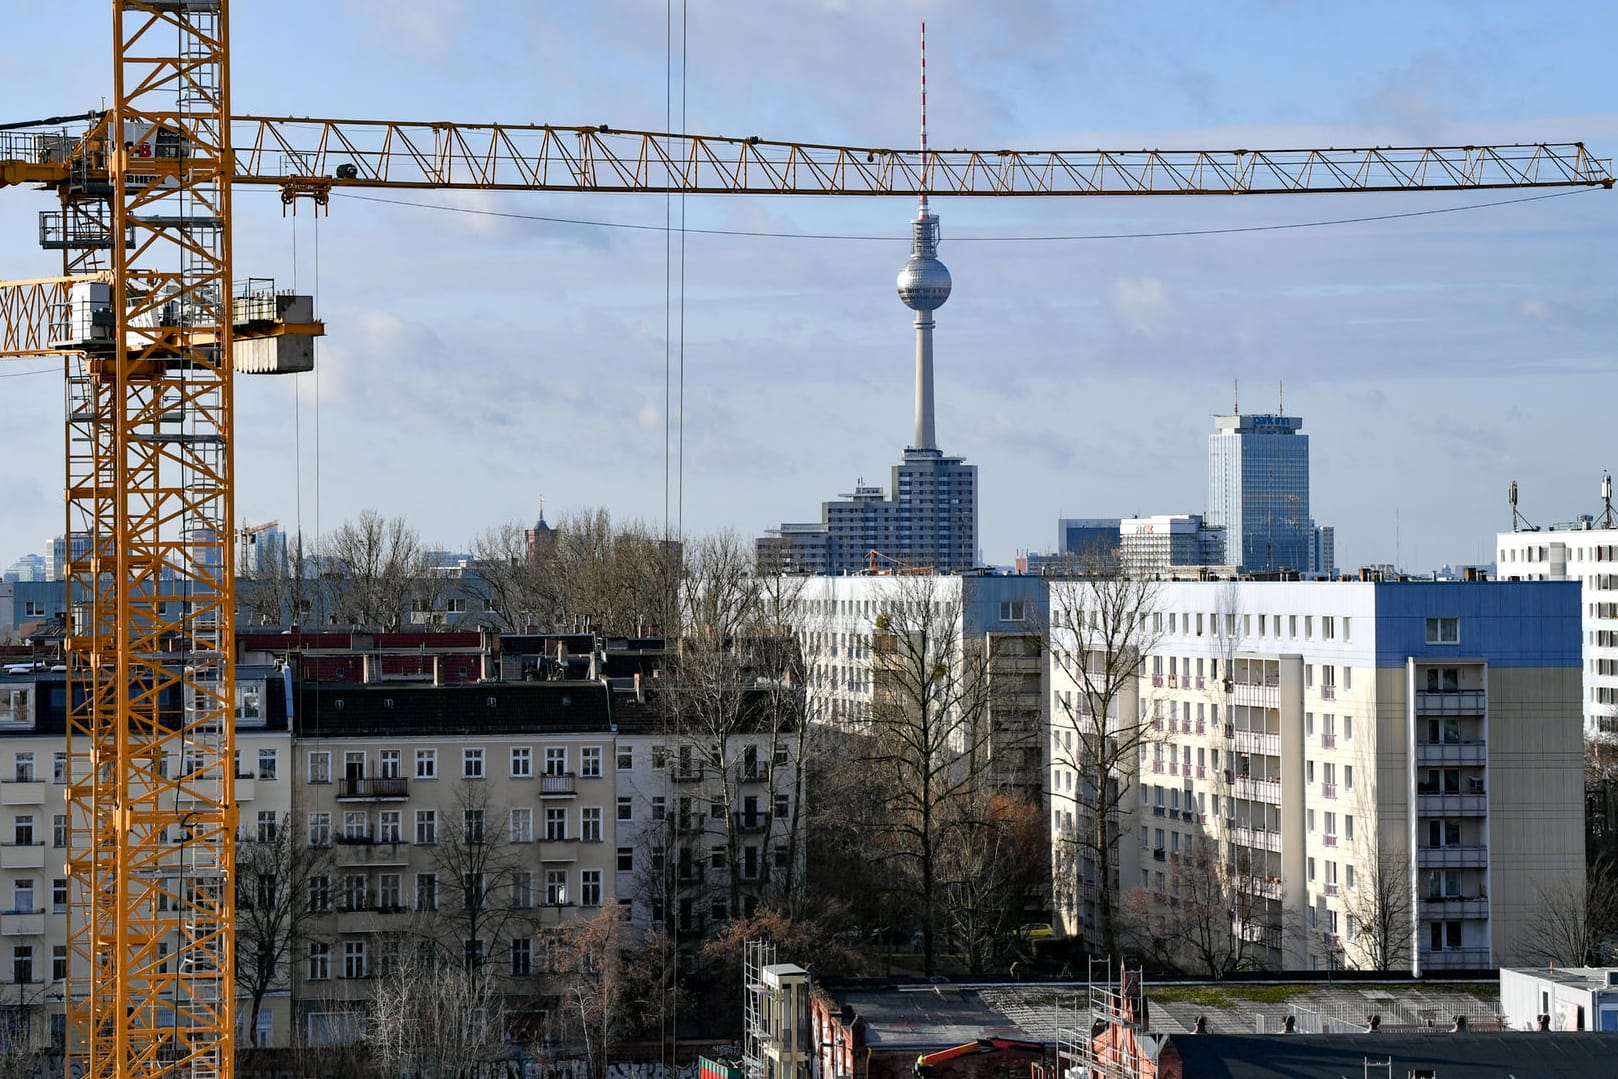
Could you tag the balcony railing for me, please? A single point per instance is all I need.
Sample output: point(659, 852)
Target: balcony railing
point(1328, 741)
point(754, 772)
point(1456, 959)
point(1328, 790)
point(1454, 906)
point(1331, 888)
point(688, 773)
point(1258, 742)
point(752, 822)
point(1452, 857)
point(1464, 702)
point(1475, 753)
point(1157, 680)
point(558, 785)
point(360, 788)
point(1328, 693)
point(1329, 840)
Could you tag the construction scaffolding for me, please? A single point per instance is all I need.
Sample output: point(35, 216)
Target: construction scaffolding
point(756, 955)
point(1108, 1037)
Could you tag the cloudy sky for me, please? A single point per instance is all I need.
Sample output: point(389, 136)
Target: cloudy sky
point(477, 363)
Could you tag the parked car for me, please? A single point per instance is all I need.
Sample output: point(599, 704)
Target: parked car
point(1032, 933)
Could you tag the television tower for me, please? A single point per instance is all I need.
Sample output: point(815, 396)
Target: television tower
point(924, 283)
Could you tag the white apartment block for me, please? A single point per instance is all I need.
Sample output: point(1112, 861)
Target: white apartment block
point(1002, 617)
point(1317, 731)
point(1589, 555)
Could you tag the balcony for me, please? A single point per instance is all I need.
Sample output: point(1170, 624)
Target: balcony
point(1331, 888)
point(1258, 742)
point(1328, 693)
point(1257, 789)
point(1328, 741)
point(688, 773)
point(1255, 695)
point(753, 772)
point(369, 852)
point(1328, 790)
point(22, 856)
point(1328, 840)
point(1268, 887)
point(27, 792)
point(1450, 907)
point(1174, 768)
point(22, 923)
point(751, 822)
point(1455, 959)
point(1157, 767)
point(1429, 804)
point(558, 850)
point(362, 789)
point(1157, 680)
point(1457, 857)
point(691, 822)
point(557, 785)
point(1465, 702)
point(1257, 838)
point(1475, 753)
point(691, 873)
point(245, 788)
point(1202, 773)
point(1201, 683)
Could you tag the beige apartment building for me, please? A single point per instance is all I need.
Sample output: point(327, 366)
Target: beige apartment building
point(1388, 774)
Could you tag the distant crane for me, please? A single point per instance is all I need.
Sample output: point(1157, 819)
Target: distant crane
point(153, 332)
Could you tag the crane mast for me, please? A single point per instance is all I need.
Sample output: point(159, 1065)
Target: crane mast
point(143, 316)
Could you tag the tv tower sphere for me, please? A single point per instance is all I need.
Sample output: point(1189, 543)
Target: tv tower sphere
point(924, 282)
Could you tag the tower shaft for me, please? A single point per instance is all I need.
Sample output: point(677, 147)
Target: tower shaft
point(925, 437)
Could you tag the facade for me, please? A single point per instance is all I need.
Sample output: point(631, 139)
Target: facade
point(1351, 753)
point(1258, 492)
point(432, 803)
point(1560, 998)
point(1150, 545)
point(998, 620)
point(1323, 552)
point(1589, 555)
point(930, 521)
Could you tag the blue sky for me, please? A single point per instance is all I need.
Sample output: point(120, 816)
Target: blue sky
point(475, 364)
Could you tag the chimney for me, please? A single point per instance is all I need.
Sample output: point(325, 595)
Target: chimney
point(1470, 573)
point(1201, 1026)
point(640, 690)
point(367, 668)
point(1373, 1023)
point(1365, 573)
point(1545, 1021)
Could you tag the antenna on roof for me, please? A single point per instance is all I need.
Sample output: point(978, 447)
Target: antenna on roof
point(1518, 522)
point(1281, 402)
point(1236, 395)
point(924, 116)
point(1606, 500)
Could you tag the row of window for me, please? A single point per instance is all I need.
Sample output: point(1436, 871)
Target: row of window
point(356, 826)
point(474, 764)
point(355, 892)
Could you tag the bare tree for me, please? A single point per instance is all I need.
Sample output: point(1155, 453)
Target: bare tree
point(433, 1019)
point(999, 860)
point(479, 868)
point(1380, 904)
point(611, 993)
point(928, 737)
point(273, 870)
point(1212, 921)
point(517, 581)
point(1575, 915)
point(373, 570)
point(1102, 628)
point(281, 592)
point(619, 579)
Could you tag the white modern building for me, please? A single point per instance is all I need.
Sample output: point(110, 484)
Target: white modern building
point(1149, 545)
point(1580, 552)
point(1352, 750)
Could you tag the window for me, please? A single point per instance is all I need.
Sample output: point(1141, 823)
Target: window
point(1311, 870)
point(626, 808)
point(555, 887)
point(555, 824)
point(626, 859)
point(59, 830)
point(472, 825)
point(24, 769)
point(590, 824)
point(472, 954)
point(474, 891)
point(320, 829)
point(267, 763)
point(319, 766)
point(1348, 826)
point(522, 825)
point(660, 757)
point(426, 764)
point(1328, 628)
point(522, 762)
point(659, 807)
point(590, 762)
point(556, 761)
point(59, 894)
point(1443, 631)
point(1013, 611)
point(388, 828)
point(23, 830)
point(522, 957)
point(58, 962)
point(319, 960)
point(354, 959)
point(22, 963)
point(1348, 723)
point(355, 892)
point(1348, 875)
point(389, 892)
point(59, 767)
point(388, 763)
point(319, 894)
point(472, 763)
point(783, 803)
point(590, 887)
point(426, 891)
point(626, 758)
point(426, 826)
point(522, 889)
point(266, 825)
point(1348, 777)
point(356, 826)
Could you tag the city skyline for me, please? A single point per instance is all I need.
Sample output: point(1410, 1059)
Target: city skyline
point(1076, 375)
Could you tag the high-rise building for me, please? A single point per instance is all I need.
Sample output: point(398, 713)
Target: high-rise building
point(1149, 545)
point(931, 519)
point(1258, 492)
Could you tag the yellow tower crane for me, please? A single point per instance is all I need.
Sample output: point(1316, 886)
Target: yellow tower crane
point(152, 334)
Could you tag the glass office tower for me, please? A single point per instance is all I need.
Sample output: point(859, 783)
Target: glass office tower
point(1258, 491)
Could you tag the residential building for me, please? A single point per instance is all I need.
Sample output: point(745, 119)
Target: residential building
point(1258, 492)
point(1560, 998)
point(1582, 552)
point(931, 519)
point(1158, 544)
point(1346, 750)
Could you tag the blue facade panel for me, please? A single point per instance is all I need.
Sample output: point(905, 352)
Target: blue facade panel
point(1510, 623)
